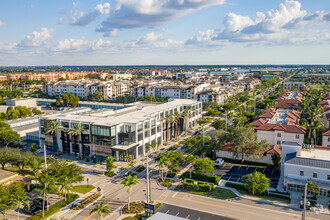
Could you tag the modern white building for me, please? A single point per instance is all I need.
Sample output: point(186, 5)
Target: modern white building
point(117, 133)
point(290, 84)
point(301, 164)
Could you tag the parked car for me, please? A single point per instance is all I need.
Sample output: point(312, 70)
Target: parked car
point(32, 210)
point(38, 202)
point(218, 162)
point(276, 170)
point(268, 169)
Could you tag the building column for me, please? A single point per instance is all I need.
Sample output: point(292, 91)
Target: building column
point(117, 155)
point(137, 152)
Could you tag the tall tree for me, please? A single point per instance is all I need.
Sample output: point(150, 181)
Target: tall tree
point(256, 182)
point(47, 182)
point(204, 165)
point(18, 196)
point(52, 129)
point(186, 116)
point(36, 166)
point(67, 100)
point(76, 131)
point(129, 182)
point(202, 122)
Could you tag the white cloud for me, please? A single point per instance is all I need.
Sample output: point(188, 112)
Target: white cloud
point(154, 41)
point(2, 23)
point(126, 14)
point(37, 39)
point(80, 18)
point(80, 45)
point(206, 39)
point(284, 25)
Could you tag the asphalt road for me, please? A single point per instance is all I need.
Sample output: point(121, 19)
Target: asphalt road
point(189, 213)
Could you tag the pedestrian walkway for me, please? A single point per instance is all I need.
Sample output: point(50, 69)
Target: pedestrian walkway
point(68, 213)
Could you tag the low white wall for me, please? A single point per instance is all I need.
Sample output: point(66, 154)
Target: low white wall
point(261, 159)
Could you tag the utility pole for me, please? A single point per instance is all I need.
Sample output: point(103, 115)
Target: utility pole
point(304, 210)
point(148, 187)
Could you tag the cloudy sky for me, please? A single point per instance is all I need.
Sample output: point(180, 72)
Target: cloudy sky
point(139, 32)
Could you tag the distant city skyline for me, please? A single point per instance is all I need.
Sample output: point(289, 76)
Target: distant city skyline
point(164, 32)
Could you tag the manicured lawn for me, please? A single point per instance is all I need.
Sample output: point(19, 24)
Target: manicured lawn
point(23, 172)
point(217, 193)
point(272, 198)
point(83, 188)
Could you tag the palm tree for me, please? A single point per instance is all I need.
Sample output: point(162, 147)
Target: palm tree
point(317, 126)
point(47, 185)
point(187, 116)
point(19, 197)
point(100, 208)
point(168, 119)
point(36, 166)
point(75, 131)
point(129, 183)
point(53, 129)
point(202, 122)
point(177, 116)
point(5, 199)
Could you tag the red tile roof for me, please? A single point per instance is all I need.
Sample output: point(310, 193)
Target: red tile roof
point(279, 127)
point(274, 149)
point(258, 122)
point(326, 133)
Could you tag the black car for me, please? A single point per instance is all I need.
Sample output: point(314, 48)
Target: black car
point(32, 210)
point(38, 202)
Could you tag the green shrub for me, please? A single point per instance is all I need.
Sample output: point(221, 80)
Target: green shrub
point(189, 181)
point(282, 196)
point(173, 148)
point(202, 177)
point(54, 208)
point(110, 174)
point(200, 182)
point(197, 187)
point(140, 168)
point(235, 185)
point(157, 205)
point(167, 183)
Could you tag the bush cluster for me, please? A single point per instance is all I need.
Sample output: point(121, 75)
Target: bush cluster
point(173, 148)
point(235, 185)
point(55, 208)
point(88, 200)
point(110, 174)
point(202, 177)
point(189, 184)
point(134, 207)
point(140, 168)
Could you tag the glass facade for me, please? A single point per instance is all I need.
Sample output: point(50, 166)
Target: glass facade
point(105, 136)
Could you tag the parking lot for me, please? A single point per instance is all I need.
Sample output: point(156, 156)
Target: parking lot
point(234, 173)
point(188, 213)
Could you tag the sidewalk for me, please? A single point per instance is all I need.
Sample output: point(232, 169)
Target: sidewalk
point(68, 213)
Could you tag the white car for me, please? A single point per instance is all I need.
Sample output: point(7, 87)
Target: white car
point(218, 162)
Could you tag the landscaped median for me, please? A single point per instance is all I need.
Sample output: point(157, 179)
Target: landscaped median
point(202, 177)
point(85, 202)
point(55, 208)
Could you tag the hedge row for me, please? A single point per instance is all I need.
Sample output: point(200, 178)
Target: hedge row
point(187, 185)
point(202, 177)
point(235, 185)
point(54, 208)
point(282, 196)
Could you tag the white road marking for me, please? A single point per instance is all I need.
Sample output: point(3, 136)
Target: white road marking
point(177, 214)
point(247, 168)
point(255, 169)
point(187, 216)
point(175, 194)
point(167, 211)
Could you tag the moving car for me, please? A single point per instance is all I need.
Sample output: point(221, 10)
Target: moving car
point(218, 162)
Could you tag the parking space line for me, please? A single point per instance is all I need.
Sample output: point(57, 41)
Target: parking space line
point(177, 214)
point(264, 170)
point(187, 216)
point(247, 168)
point(232, 166)
point(255, 169)
point(238, 179)
point(167, 211)
point(239, 167)
point(229, 178)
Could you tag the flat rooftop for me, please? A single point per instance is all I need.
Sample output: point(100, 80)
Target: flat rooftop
point(319, 154)
point(134, 115)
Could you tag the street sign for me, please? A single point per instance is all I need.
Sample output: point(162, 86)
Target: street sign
point(150, 208)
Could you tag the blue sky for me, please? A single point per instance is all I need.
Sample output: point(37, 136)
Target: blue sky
point(133, 32)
